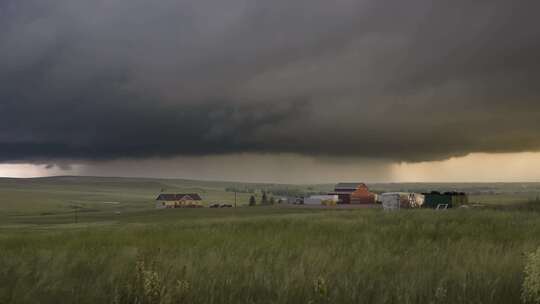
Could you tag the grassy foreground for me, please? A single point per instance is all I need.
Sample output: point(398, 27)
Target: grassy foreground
point(269, 255)
point(100, 240)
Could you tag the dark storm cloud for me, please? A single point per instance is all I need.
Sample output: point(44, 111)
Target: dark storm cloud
point(402, 80)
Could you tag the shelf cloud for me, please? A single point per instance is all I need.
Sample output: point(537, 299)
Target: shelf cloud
point(393, 80)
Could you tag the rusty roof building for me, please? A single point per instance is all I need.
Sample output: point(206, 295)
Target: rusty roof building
point(353, 193)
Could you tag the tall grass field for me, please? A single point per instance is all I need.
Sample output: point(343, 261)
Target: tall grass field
point(259, 254)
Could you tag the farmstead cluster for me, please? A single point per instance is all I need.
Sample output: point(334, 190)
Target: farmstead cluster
point(344, 195)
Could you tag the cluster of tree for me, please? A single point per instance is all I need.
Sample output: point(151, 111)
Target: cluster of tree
point(265, 200)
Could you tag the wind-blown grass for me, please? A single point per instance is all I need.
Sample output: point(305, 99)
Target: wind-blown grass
point(268, 255)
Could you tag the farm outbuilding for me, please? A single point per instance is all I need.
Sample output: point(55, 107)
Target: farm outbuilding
point(327, 200)
point(178, 200)
point(451, 199)
point(353, 193)
point(398, 200)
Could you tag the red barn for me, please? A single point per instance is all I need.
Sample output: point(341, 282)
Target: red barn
point(353, 193)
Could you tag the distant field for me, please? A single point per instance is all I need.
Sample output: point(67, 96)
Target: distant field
point(50, 196)
point(131, 253)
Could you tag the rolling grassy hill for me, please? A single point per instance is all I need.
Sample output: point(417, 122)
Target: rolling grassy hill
point(100, 240)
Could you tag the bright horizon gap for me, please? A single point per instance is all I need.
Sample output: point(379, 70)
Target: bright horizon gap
point(295, 169)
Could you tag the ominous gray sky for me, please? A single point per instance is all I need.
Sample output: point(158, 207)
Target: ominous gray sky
point(385, 81)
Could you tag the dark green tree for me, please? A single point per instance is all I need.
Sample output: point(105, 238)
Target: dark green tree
point(252, 200)
point(272, 200)
point(264, 200)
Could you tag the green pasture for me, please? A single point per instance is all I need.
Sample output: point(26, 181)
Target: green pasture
point(98, 252)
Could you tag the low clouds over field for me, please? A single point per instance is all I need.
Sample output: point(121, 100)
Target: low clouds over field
point(393, 80)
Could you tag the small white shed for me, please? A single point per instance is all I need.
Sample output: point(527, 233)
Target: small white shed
point(319, 199)
point(397, 200)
